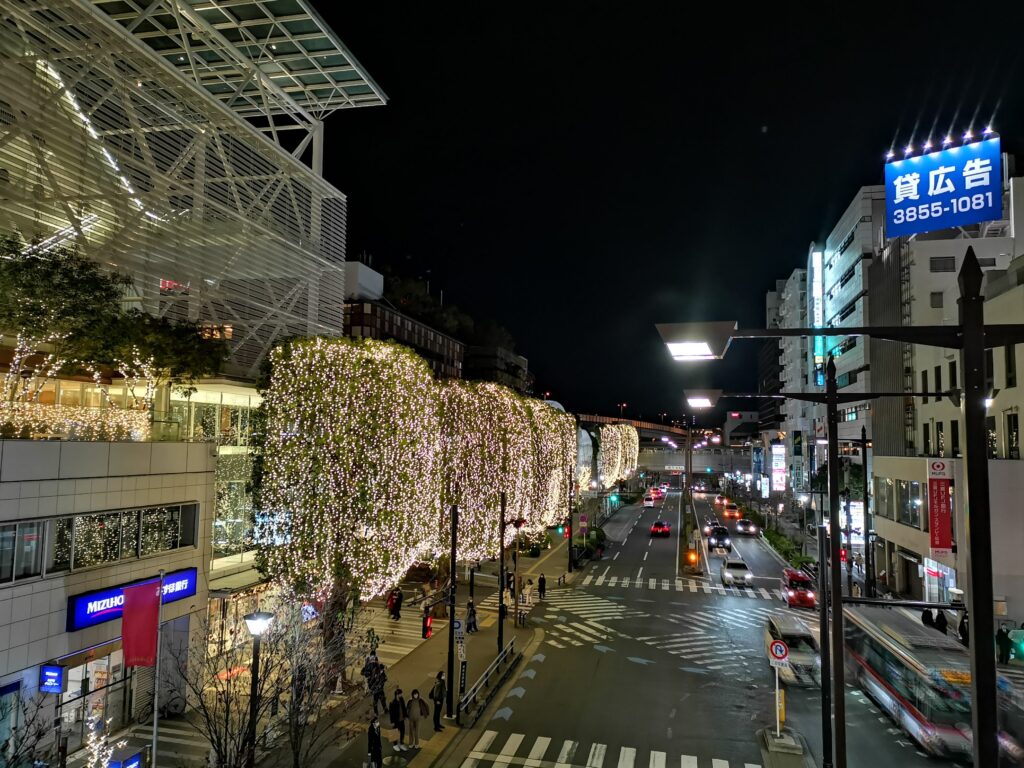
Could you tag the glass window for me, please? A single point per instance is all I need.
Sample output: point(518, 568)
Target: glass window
point(916, 503)
point(97, 539)
point(952, 374)
point(1010, 352)
point(883, 497)
point(189, 515)
point(990, 373)
point(47, 394)
point(28, 556)
point(92, 397)
point(940, 439)
point(954, 438)
point(926, 442)
point(7, 535)
point(60, 545)
point(1012, 436)
point(160, 529)
point(924, 385)
point(903, 501)
point(938, 378)
point(130, 534)
point(990, 437)
point(70, 393)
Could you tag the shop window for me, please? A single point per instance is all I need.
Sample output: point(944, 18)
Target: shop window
point(97, 539)
point(7, 537)
point(70, 393)
point(60, 547)
point(28, 555)
point(160, 529)
point(130, 535)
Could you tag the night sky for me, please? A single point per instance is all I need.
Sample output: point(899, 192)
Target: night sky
point(579, 171)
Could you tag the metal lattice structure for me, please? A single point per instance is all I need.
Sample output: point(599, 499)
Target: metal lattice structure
point(107, 146)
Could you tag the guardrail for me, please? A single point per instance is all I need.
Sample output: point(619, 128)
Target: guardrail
point(476, 699)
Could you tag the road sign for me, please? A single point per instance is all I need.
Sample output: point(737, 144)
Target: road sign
point(462, 677)
point(779, 653)
point(459, 628)
point(461, 648)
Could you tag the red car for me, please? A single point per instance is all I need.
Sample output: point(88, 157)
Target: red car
point(732, 511)
point(798, 589)
point(661, 528)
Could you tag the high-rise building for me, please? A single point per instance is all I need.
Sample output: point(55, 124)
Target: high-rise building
point(794, 375)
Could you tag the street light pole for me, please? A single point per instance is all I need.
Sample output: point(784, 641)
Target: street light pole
point(452, 574)
point(501, 578)
point(257, 623)
point(869, 546)
point(984, 709)
point(836, 575)
point(826, 662)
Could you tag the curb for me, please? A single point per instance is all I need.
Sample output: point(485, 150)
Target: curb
point(773, 552)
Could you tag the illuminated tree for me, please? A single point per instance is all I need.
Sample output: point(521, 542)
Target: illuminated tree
point(350, 476)
point(618, 454)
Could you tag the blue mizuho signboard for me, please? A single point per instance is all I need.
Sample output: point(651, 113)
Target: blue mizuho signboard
point(951, 188)
point(92, 608)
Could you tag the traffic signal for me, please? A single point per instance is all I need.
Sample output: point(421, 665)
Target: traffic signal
point(428, 626)
point(692, 556)
point(565, 535)
point(614, 497)
point(561, 530)
point(842, 555)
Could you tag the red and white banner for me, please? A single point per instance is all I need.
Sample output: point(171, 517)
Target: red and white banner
point(940, 517)
point(139, 624)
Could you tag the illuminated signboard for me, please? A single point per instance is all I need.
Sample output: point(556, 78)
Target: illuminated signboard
point(818, 313)
point(103, 605)
point(52, 678)
point(135, 761)
point(778, 467)
point(953, 187)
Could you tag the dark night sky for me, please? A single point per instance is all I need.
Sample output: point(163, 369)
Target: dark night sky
point(579, 171)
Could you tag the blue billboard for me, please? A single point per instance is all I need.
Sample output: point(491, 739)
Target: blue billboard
point(92, 608)
point(939, 190)
point(52, 678)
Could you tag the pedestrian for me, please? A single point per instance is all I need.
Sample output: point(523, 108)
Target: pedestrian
point(963, 630)
point(542, 585)
point(941, 622)
point(1003, 643)
point(926, 617)
point(858, 561)
point(417, 710)
point(471, 618)
point(437, 695)
point(856, 589)
point(529, 592)
point(378, 677)
point(520, 589)
point(391, 604)
point(396, 711)
point(373, 747)
point(399, 598)
point(368, 668)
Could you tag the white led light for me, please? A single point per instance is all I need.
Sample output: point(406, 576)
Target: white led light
point(690, 350)
point(698, 402)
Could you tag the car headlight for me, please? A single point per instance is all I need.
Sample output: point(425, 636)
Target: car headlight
point(726, 541)
point(790, 592)
point(810, 595)
point(712, 540)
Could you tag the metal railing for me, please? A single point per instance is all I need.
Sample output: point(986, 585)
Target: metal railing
point(476, 699)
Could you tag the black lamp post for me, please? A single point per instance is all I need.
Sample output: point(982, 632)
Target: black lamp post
point(258, 623)
point(710, 341)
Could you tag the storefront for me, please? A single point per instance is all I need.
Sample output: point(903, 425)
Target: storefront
point(938, 580)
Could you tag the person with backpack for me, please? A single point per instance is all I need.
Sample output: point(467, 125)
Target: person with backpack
point(437, 695)
point(417, 710)
point(397, 713)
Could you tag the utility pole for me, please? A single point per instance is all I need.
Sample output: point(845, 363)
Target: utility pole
point(452, 574)
point(836, 574)
point(826, 662)
point(501, 577)
point(869, 544)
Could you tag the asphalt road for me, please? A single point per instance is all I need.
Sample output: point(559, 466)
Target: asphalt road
point(640, 668)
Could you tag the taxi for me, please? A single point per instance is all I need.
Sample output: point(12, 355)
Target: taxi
point(798, 589)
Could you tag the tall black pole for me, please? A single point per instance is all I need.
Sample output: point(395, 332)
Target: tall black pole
point(869, 545)
point(836, 580)
point(572, 507)
point(254, 704)
point(849, 544)
point(452, 574)
point(984, 710)
point(501, 577)
point(826, 662)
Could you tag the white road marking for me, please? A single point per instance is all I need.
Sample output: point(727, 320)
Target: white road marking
point(639, 572)
point(613, 581)
point(480, 749)
point(651, 583)
point(539, 748)
point(616, 556)
point(596, 759)
point(566, 755)
point(645, 556)
point(657, 759)
point(687, 761)
point(590, 578)
point(627, 757)
point(716, 763)
point(509, 750)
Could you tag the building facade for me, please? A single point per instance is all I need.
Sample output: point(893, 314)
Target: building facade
point(794, 376)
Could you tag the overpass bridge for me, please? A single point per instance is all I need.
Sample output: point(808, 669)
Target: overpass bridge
point(648, 430)
point(717, 460)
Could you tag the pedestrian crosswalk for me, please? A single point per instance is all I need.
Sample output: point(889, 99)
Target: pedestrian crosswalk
point(179, 743)
point(493, 749)
point(394, 639)
point(579, 633)
point(679, 585)
point(587, 605)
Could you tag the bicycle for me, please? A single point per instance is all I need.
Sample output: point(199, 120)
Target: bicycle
point(171, 706)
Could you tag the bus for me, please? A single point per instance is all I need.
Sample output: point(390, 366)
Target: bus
point(921, 678)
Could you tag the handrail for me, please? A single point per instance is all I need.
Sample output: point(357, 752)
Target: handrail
point(508, 653)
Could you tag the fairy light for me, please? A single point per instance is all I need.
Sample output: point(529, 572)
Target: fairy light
point(366, 453)
point(618, 454)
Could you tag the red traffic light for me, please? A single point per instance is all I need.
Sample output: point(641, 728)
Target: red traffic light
point(565, 534)
point(842, 555)
point(428, 626)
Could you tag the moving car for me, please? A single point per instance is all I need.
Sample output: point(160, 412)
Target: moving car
point(735, 571)
point(804, 660)
point(720, 500)
point(664, 487)
point(656, 492)
point(732, 510)
point(719, 539)
point(746, 527)
point(798, 589)
point(709, 524)
point(661, 528)
point(648, 501)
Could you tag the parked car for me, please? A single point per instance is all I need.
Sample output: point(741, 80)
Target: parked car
point(735, 571)
point(798, 589)
point(804, 659)
point(719, 539)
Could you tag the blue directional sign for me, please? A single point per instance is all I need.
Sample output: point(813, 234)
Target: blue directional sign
point(950, 188)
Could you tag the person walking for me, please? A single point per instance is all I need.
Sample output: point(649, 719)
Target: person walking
point(416, 710)
point(399, 598)
point(471, 618)
point(858, 562)
point(373, 747)
point(529, 592)
point(542, 585)
point(963, 630)
point(1003, 643)
point(397, 713)
point(926, 617)
point(391, 604)
point(437, 695)
point(941, 622)
point(377, 678)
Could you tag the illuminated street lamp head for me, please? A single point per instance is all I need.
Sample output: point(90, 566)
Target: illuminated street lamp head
point(258, 622)
point(697, 341)
point(702, 398)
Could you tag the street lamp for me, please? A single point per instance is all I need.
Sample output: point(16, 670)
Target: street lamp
point(622, 408)
point(709, 341)
point(258, 623)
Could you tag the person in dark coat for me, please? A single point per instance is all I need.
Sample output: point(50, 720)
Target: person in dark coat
point(397, 713)
point(542, 585)
point(437, 695)
point(941, 623)
point(397, 611)
point(1003, 643)
point(471, 626)
point(963, 631)
point(373, 745)
point(376, 680)
point(926, 617)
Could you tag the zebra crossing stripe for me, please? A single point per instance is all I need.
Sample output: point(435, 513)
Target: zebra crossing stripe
point(509, 750)
point(688, 761)
point(716, 763)
point(652, 583)
point(613, 581)
point(627, 757)
point(567, 754)
point(596, 759)
point(664, 584)
point(765, 594)
point(657, 759)
point(588, 579)
point(539, 748)
point(479, 750)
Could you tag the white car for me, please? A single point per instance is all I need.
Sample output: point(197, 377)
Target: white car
point(648, 501)
point(735, 571)
point(804, 659)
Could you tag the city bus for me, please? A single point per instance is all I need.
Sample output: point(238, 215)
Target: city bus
point(921, 678)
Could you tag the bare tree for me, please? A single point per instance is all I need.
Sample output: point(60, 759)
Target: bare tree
point(26, 742)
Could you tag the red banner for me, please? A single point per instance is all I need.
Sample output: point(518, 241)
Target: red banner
point(940, 518)
point(139, 624)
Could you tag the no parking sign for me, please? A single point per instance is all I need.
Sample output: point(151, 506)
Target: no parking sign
point(779, 653)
